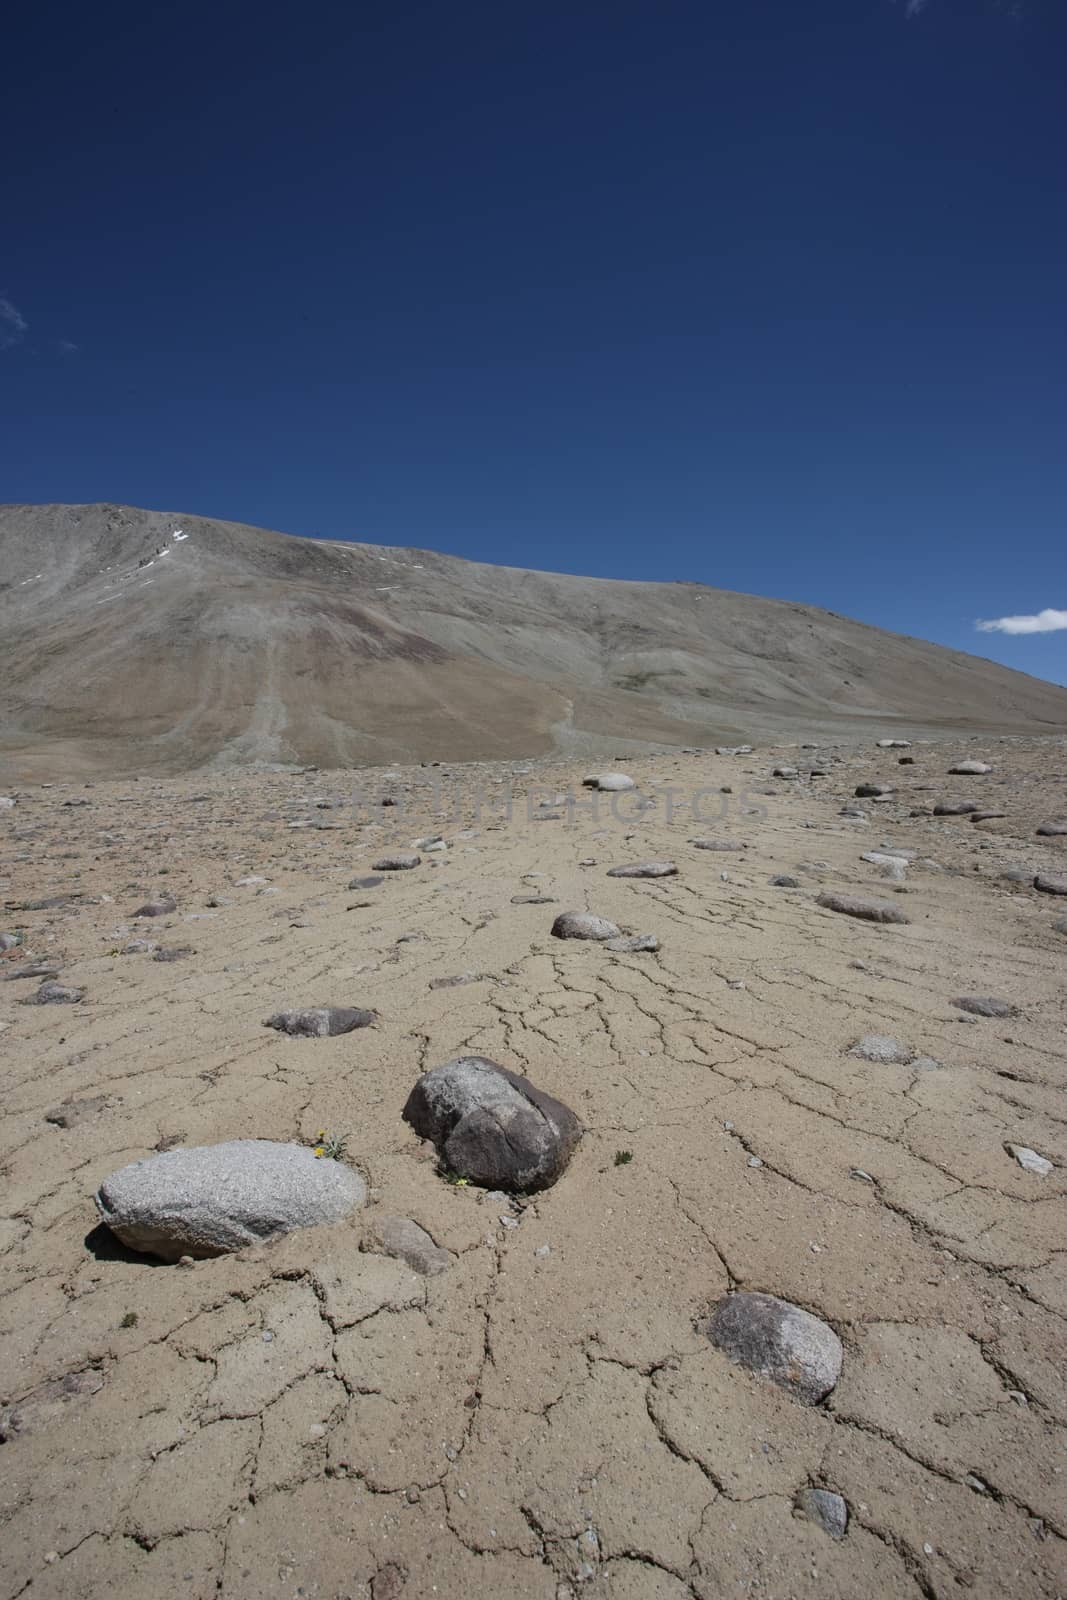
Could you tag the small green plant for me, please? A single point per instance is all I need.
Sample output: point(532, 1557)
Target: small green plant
point(623, 1158)
point(455, 1180)
point(129, 1320)
point(327, 1148)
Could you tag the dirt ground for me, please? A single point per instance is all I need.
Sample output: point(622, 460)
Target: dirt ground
point(547, 1418)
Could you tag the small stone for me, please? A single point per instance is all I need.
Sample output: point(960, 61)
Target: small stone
point(404, 1239)
point(970, 769)
point(872, 791)
point(458, 981)
point(174, 952)
point(955, 808)
point(1052, 830)
point(645, 869)
point(54, 994)
point(882, 1048)
point(859, 1174)
point(1050, 883)
point(785, 772)
point(1029, 1160)
point(532, 900)
point(369, 882)
point(894, 744)
point(825, 1508)
point(852, 905)
point(987, 816)
point(779, 1341)
point(609, 782)
point(73, 1112)
point(782, 880)
point(583, 925)
point(722, 845)
point(984, 1005)
point(156, 908)
point(633, 943)
point(403, 861)
point(138, 947)
point(320, 1022)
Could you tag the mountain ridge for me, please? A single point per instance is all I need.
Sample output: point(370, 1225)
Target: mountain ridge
point(240, 645)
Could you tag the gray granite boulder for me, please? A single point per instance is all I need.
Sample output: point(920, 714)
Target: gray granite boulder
point(583, 925)
point(212, 1199)
point(493, 1126)
point(780, 1341)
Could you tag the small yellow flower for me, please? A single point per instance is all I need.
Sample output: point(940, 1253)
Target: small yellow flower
point(320, 1150)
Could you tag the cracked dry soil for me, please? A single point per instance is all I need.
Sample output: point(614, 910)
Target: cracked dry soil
point(546, 1418)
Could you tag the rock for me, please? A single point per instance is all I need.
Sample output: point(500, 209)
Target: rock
point(320, 1022)
point(456, 982)
point(1052, 830)
point(782, 880)
point(54, 994)
point(1029, 1160)
point(723, 845)
point(138, 947)
point(1018, 875)
point(583, 925)
point(72, 1112)
point(370, 882)
point(609, 782)
point(492, 1126)
point(955, 808)
point(854, 905)
point(212, 1199)
point(905, 761)
point(970, 769)
point(894, 744)
point(533, 900)
point(987, 816)
point(174, 952)
point(645, 869)
point(9, 941)
point(403, 861)
point(404, 1239)
point(1049, 883)
point(881, 1047)
point(633, 943)
point(872, 791)
point(733, 749)
point(785, 772)
point(35, 969)
point(825, 1508)
point(983, 1005)
point(925, 1064)
point(780, 1341)
point(156, 908)
point(6, 802)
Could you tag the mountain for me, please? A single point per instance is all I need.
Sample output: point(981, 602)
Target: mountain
point(141, 641)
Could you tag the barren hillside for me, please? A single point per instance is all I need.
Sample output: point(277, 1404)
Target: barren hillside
point(144, 641)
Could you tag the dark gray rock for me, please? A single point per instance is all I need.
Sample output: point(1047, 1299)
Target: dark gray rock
point(1051, 883)
point(54, 994)
point(782, 880)
point(406, 1241)
point(645, 869)
point(984, 1005)
point(955, 808)
point(987, 816)
point(854, 905)
point(320, 1022)
point(583, 925)
point(174, 952)
point(9, 941)
point(492, 1126)
point(779, 1341)
point(216, 1198)
point(827, 1510)
point(370, 882)
point(156, 908)
point(1052, 830)
point(403, 861)
point(872, 791)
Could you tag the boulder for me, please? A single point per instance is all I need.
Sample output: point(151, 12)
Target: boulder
point(212, 1199)
point(985, 1005)
point(854, 905)
point(492, 1126)
point(583, 925)
point(780, 1341)
point(645, 869)
point(320, 1022)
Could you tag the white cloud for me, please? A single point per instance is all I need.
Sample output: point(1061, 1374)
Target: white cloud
point(914, 7)
point(12, 324)
point(1047, 621)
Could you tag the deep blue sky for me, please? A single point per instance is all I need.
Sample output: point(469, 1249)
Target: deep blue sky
point(769, 294)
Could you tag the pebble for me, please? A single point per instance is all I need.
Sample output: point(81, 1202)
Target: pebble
point(782, 880)
point(955, 808)
point(1029, 1160)
point(54, 994)
point(825, 1508)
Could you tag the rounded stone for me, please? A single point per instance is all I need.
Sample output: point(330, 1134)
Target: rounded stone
point(583, 925)
point(780, 1341)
